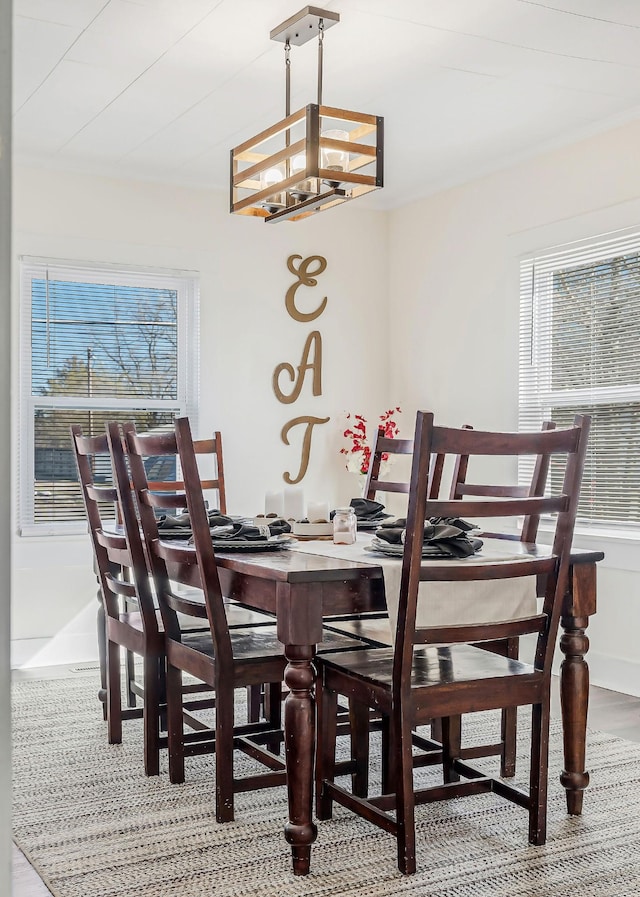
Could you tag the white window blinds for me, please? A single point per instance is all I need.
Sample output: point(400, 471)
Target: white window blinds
point(98, 344)
point(580, 354)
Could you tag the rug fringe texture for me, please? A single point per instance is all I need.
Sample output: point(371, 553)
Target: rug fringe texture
point(94, 826)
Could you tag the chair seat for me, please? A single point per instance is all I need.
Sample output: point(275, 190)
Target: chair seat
point(236, 615)
point(261, 642)
point(376, 631)
point(452, 665)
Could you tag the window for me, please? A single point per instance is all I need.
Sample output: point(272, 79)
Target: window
point(98, 344)
point(580, 353)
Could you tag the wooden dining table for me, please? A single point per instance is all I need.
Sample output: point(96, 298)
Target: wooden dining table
point(301, 589)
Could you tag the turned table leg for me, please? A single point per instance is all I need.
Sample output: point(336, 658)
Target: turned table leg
point(299, 627)
point(299, 729)
point(580, 603)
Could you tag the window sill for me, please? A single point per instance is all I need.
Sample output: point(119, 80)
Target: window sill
point(620, 547)
point(47, 530)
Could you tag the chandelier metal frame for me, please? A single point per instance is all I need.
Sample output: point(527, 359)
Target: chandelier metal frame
point(313, 159)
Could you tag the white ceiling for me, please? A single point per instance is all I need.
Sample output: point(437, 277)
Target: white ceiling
point(162, 89)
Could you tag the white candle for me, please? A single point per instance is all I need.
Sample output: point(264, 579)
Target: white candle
point(274, 503)
point(318, 510)
point(293, 503)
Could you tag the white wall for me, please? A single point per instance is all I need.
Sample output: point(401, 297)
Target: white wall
point(5, 471)
point(245, 331)
point(454, 323)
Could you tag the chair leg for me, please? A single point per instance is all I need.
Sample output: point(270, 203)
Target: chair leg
point(273, 713)
point(509, 723)
point(255, 697)
point(436, 730)
point(388, 759)
point(151, 715)
point(131, 677)
point(114, 698)
point(405, 799)
point(451, 744)
point(162, 693)
point(175, 731)
point(224, 755)
point(539, 772)
point(359, 725)
point(327, 723)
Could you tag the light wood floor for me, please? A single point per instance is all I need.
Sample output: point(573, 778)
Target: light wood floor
point(609, 711)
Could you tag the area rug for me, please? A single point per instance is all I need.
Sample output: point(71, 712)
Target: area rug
point(94, 826)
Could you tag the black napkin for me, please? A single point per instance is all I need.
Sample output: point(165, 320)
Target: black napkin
point(246, 532)
point(366, 509)
point(445, 539)
point(222, 528)
point(179, 526)
point(168, 521)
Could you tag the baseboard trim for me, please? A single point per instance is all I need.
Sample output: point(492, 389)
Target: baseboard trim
point(63, 648)
point(614, 673)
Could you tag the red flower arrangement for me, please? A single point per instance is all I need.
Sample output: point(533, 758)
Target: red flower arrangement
point(359, 450)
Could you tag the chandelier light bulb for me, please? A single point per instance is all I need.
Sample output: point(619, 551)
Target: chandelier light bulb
point(299, 162)
point(307, 186)
point(270, 178)
point(335, 159)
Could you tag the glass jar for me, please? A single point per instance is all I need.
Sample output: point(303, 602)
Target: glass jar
point(344, 526)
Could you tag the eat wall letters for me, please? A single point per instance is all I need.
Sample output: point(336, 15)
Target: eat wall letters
point(307, 271)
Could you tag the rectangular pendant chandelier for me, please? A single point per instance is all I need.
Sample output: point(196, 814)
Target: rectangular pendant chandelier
point(313, 159)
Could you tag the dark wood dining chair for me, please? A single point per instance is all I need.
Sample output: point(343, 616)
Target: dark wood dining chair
point(132, 621)
point(439, 672)
point(224, 658)
point(122, 575)
point(213, 484)
point(385, 447)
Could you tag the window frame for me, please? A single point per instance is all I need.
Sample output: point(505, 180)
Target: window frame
point(186, 285)
point(536, 297)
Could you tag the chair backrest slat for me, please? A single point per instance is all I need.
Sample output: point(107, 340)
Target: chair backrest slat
point(165, 501)
point(102, 493)
point(483, 632)
point(500, 490)
point(467, 441)
point(121, 587)
point(499, 507)
point(520, 566)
